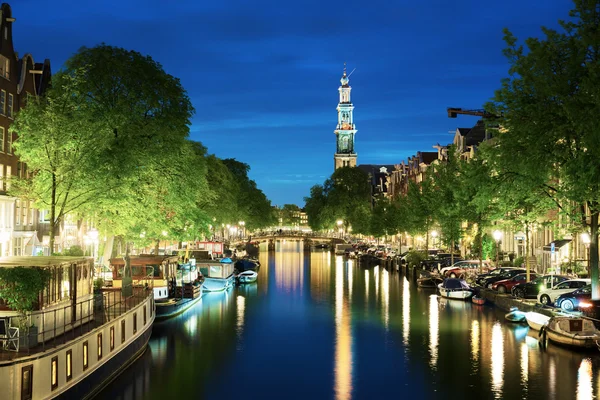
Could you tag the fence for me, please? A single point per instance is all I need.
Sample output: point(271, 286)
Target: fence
point(58, 326)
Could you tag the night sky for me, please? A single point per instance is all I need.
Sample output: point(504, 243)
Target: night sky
point(263, 75)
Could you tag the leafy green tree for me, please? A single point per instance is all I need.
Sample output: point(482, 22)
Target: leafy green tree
point(320, 215)
point(419, 207)
point(549, 109)
point(289, 214)
point(348, 197)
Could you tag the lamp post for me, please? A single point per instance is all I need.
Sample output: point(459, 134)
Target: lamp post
point(585, 238)
point(497, 237)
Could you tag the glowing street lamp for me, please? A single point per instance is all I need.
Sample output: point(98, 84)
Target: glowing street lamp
point(497, 237)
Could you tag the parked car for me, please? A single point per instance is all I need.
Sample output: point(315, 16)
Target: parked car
point(571, 301)
point(506, 285)
point(494, 272)
point(490, 280)
point(548, 297)
point(462, 267)
point(532, 288)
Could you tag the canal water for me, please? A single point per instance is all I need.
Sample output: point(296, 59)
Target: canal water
point(316, 326)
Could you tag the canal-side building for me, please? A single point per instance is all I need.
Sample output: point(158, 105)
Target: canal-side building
point(345, 156)
point(20, 231)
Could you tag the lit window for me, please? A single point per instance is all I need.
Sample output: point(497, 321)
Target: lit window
point(85, 355)
point(26, 383)
point(69, 365)
point(99, 346)
point(54, 373)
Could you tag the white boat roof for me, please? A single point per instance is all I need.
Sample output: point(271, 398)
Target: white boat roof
point(40, 261)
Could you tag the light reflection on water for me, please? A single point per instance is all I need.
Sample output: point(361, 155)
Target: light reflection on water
point(311, 329)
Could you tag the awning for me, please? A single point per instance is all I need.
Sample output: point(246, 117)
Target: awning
point(557, 244)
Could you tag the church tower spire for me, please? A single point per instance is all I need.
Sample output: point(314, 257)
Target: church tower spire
point(345, 129)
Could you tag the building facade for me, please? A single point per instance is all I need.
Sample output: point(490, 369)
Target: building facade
point(20, 78)
point(345, 130)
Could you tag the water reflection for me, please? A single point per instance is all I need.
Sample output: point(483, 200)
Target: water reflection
point(350, 273)
point(585, 389)
point(343, 337)
point(385, 289)
point(289, 263)
point(434, 317)
point(320, 276)
point(366, 287)
point(475, 334)
point(524, 365)
point(497, 360)
point(405, 312)
point(241, 308)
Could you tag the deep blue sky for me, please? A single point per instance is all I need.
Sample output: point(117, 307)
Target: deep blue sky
point(263, 75)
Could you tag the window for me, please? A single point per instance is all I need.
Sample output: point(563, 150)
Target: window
point(134, 323)
point(9, 149)
point(85, 355)
point(144, 315)
point(3, 101)
point(122, 331)
point(27, 382)
point(99, 346)
point(1, 176)
point(18, 212)
point(1, 139)
point(5, 65)
point(18, 246)
point(8, 176)
point(44, 216)
point(10, 105)
point(54, 372)
point(69, 365)
point(112, 338)
point(564, 285)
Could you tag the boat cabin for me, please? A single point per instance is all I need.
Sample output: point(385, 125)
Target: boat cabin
point(67, 297)
point(153, 270)
point(215, 269)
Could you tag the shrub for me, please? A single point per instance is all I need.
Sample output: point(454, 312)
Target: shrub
point(414, 257)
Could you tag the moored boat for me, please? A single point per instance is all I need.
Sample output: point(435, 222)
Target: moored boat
point(536, 320)
point(515, 315)
point(454, 288)
point(247, 277)
point(82, 340)
point(186, 291)
point(569, 331)
point(429, 282)
point(478, 300)
point(218, 276)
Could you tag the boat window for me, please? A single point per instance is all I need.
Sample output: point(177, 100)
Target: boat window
point(112, 338)
point(27, 382)
point(54, 372)
point(157, 270)
point(134, 323)
point(85, 355)
point(69, 365)
point(144, 315)
point(99, 346)
point(122, 331)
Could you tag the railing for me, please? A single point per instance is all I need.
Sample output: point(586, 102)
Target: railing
point(56, 327)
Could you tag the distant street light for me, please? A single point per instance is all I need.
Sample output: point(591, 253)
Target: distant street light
point(497, 237)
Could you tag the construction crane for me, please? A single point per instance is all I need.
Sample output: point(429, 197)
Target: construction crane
point(453, 112)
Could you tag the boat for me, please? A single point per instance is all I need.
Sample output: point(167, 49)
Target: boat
point(569, 331)
point(218, 276)
point(454, 288)
point(536, 320)
point(431, 281)
point(478, 300)
point(515, 315)
point(247, 277)
point(186, 291)
point(75, 340)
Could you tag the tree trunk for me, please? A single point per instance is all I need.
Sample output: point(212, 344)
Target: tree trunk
point(479, 238)
point(527, 269)
point(594, 253)
point(52, 214)
point(157, 247)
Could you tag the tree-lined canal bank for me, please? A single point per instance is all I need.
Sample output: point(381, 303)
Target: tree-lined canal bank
point(318, 326)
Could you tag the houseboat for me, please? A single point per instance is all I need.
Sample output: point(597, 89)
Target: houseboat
point(161, 270)
point(186, 293)
point(74, 341)
point(218, 276)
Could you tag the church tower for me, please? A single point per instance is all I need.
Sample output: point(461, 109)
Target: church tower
point(345, 130)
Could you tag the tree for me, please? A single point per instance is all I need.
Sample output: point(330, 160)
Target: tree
point(59, 141)
point(290, 215)
point(349, 198)
point(548, 107)
point(320, 216)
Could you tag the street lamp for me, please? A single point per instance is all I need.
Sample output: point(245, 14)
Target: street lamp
point(434, 235)
point(585, 238)
point(497, 237)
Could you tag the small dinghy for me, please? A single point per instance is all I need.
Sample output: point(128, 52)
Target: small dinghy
point(428, 280)
point(515, 315)
point(478, 300)
point(247, 277)
point(453, 288)
point(536, 320)
point(568, 331)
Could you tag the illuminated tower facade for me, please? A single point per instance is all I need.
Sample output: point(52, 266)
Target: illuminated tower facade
point(345, 130)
